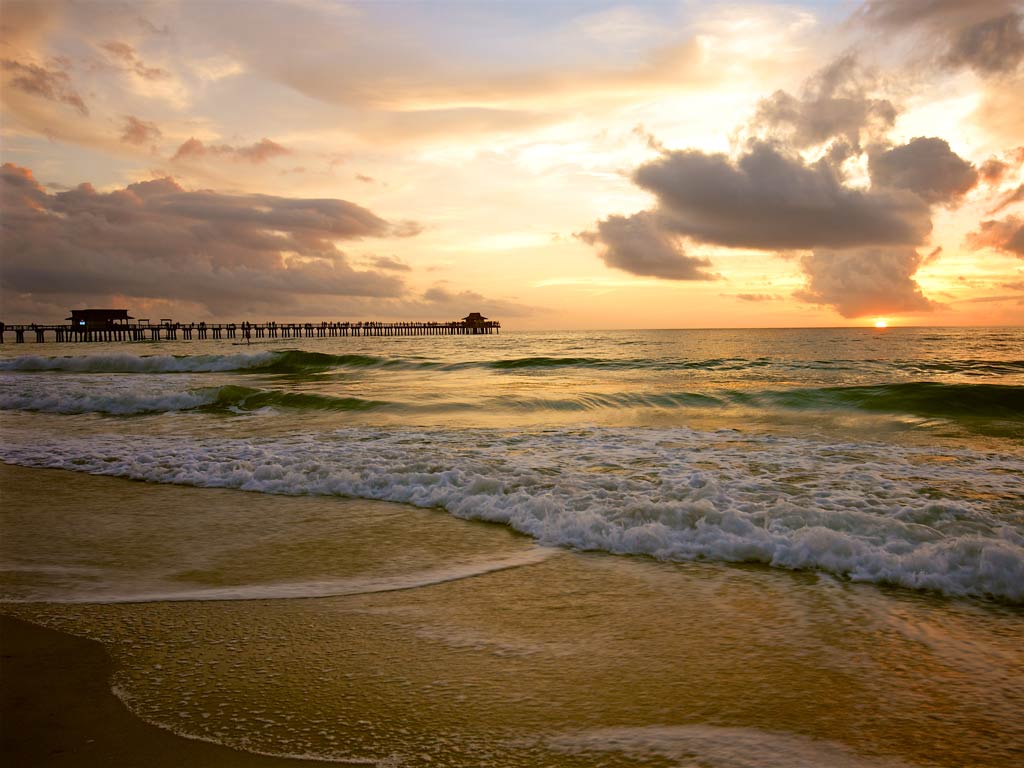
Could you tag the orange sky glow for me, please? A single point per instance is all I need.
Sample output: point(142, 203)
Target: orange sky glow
point(551, 165)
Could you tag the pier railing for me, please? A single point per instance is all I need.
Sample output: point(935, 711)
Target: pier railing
point(170, 331)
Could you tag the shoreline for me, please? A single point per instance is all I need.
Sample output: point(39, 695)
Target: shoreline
point(57, 709)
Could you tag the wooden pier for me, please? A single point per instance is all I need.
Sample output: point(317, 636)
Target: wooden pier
point(143, 330)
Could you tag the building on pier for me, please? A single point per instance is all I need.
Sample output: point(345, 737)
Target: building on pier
point(99, 319)
point(475, 322)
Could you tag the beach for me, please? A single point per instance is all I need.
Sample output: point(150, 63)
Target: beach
point(703, 561)
point(56, 708)
point(575, 659)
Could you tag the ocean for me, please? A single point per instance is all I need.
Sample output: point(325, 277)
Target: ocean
point(698, 547)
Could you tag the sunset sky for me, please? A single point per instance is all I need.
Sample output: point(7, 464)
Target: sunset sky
point(549, 164)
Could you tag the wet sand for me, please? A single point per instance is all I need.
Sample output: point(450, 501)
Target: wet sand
point(57, 709)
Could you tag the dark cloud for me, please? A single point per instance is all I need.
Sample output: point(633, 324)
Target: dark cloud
point(121, 51)
point(640, 244)
point(136, 131)
point(757, 297)
point(993, 170)
point(1012, 197)
point(152, 28)
point(907, 13)
point(365, 179)
point(771, 200)
point(925, 166)
point(833, 103)
point(389, 262)
point(864, 281)
point(48, 83)
point(156, 241)
point(260, 152)
point(932, 14)
point(984, 35)
point(932, 256)
point(992, 46)
point(1006, 235)
point(439, 301)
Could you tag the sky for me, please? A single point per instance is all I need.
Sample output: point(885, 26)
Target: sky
point(553, 165)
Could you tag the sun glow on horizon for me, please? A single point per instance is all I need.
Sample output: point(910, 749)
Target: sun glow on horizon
point(881, 322)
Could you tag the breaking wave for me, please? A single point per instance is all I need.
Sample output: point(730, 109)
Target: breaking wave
point(867, 512)
point(297, 362)
point(229, 398)
point(956, 402)
point(291, 361)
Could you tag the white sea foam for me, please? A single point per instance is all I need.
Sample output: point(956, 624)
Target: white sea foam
point(869, 512)
point(126, 404)
point(280, 591)
point(122, 362)
point(102, 394)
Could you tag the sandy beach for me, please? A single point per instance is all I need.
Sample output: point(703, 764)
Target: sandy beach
point(569, 659)
point(57, 709)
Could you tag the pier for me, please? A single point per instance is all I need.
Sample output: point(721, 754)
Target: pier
point(166, 330)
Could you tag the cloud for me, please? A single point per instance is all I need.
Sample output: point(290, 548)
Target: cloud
point(833, 103)
point(257, 153)
point(52, 84)
point(757, 297)
point(925, 166)
point(641, 245)
point(1006, 235)
point(1013, 197)
point(155, 240)
point(864, 281)
point(454, 304)
point(136, 131)
point(993, 170)
point(128, 59)
point(389, 262)
point(771, 200)
point(991, 46)
point(984, 35)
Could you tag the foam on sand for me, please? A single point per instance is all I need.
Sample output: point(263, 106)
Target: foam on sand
point(298, 590)
point(718, 747)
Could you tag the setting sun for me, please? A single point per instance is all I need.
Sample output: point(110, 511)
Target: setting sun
point(881, 322)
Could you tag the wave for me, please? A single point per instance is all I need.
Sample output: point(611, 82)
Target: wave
point(229, 398)
point(127, 363)
point(299, 362)
point(956, 402)
point(246, 399)
point(951, 401)
point(867, 512)
point(289, 361)
point(920, 398)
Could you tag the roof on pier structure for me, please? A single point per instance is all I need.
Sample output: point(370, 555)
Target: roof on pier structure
point(98, 315)
point(474, 317)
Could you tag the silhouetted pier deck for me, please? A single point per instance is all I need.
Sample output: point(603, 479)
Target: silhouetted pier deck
point(169, 331)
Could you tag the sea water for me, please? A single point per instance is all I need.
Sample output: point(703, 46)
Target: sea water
point(731, 547)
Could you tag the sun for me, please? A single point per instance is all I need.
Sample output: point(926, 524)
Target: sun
point(881, 322)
